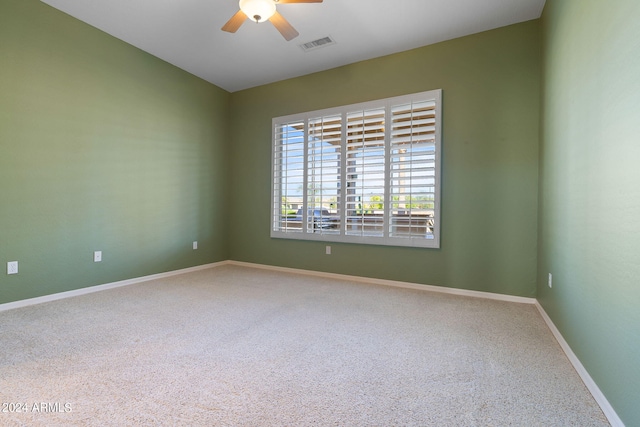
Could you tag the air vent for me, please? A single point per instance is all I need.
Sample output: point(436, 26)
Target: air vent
point(317, 44)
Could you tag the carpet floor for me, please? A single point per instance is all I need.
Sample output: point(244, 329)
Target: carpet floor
point(235, 346)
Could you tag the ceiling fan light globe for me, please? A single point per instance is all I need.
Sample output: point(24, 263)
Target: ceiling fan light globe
point(258, 10)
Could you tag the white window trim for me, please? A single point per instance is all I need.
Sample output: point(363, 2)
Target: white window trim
point(434, 95)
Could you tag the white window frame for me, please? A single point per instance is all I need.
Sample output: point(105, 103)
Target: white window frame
point(387, 238)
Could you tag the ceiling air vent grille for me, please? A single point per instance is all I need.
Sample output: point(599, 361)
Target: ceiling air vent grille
point(317, 44)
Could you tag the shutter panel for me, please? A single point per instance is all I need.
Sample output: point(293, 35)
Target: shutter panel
point(323, 175)
point(289, 160)
point(365, 156)
point(413, 170)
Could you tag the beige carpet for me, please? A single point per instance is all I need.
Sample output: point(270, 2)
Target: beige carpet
point(233, 346)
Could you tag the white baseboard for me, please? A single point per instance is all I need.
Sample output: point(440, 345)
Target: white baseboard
point(98, 288)
point(597, 394)
point(606, 407)
point(360, 279)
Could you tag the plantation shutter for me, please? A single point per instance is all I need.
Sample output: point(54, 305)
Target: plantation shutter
point(288, 179)
point(323, 174)
point(365, 173)
point(413, 170)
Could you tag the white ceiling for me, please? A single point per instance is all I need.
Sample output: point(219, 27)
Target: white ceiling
point(187, 33)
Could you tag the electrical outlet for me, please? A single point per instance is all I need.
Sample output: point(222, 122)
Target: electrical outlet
point(97, 256)
point(12, 267)
point(550, 282)
point(195, 244)
point(327, 250)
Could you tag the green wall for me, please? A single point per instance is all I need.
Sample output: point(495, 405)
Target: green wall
point(102, 147)
point(491, 85)
point(590, 192)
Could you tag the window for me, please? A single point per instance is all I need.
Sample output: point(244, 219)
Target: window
point(364, 173)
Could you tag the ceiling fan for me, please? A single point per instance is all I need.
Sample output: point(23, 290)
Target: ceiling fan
point(260, 11)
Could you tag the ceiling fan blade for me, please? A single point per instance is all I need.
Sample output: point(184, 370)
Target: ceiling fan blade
point(297, 1)
point(234, 23)
point(282, 25)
